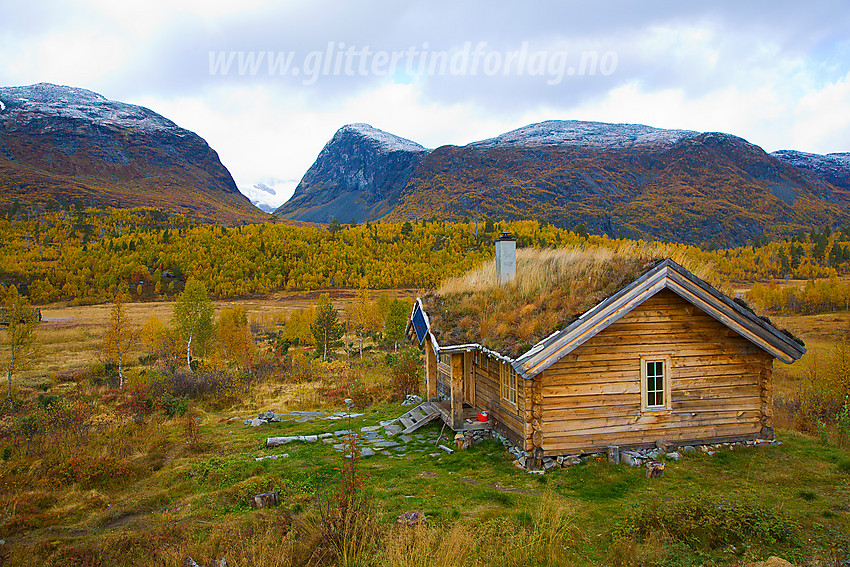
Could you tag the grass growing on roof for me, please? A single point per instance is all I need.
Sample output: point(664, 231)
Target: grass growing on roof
point(551, 289)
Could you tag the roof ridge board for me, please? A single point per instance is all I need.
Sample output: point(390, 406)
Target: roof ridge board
point(552, 338)
point(648, 283)
point(748, 315)
point(730, 320)
point(666, 268)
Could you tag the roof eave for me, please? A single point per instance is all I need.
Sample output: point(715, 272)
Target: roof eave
point(669, 275)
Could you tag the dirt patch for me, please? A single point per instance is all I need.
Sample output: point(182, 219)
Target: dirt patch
point(314, 295)
point(772, 561)
point(470, 480)
point(60, 321)
point(502, 488)
point(122, 520)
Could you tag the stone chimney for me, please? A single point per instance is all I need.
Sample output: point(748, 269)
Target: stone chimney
point(506, 257)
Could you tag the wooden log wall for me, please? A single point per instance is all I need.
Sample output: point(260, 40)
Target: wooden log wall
point(457, 391)
point(430, 371)
point(591, 398)
point(534, 414)
point(509, 420)
point(444, 380)
point(767, 399)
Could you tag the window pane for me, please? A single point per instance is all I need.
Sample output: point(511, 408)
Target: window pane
point(655, 384)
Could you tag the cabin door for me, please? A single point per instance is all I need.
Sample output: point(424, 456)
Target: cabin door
point(468, 379)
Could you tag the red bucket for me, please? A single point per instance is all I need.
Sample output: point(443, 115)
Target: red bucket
point(483, 416)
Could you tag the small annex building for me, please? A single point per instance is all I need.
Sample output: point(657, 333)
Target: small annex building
point(666, 356)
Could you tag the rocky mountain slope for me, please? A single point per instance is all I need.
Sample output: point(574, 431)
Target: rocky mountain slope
point(832, 168)
point(358, 175)
point(617, 179)
point(580, 134)
point(69, 145)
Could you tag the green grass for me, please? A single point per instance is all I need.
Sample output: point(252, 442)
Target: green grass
point(181, 499)
point(207, 487)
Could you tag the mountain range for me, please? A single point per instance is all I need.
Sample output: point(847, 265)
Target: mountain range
point(66, 145)
point(618, 179)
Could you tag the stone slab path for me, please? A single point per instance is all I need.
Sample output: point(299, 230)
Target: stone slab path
point(371, 441)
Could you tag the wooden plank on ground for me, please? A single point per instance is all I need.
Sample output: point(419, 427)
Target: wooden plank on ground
point(429, 413)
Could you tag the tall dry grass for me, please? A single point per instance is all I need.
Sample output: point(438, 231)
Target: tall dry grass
point(551, 289)
point(267, 541)
point(428, 546)
point(551, 538)
point(539, 268)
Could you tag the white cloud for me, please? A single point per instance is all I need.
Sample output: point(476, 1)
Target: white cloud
point(704, 68)
point(766, 116)
point(822, 118)
point(66, 58)
point(263, 136)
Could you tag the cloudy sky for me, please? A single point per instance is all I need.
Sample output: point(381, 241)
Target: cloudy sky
point(268, 83)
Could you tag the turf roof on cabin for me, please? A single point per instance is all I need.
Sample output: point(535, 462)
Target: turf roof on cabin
point(551, 290)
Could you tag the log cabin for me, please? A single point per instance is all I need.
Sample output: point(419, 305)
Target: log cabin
point(664, 356)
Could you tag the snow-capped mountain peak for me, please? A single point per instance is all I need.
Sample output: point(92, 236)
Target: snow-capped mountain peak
point(44, 100)
point(587, 134)
point(386, 141)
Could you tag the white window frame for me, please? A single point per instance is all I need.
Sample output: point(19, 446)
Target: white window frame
point(508, 384)
point(667, 366)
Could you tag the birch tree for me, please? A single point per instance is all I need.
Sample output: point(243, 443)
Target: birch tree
point(396, 321)
point(193, 318)
point(365, 317)
point(234, 336)
point(21, 321)
point(120, 334)
point(326, 328)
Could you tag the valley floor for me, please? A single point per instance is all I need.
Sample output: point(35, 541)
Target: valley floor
point(92, 476)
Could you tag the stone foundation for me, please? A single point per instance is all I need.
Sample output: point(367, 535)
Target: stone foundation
point(631, 457)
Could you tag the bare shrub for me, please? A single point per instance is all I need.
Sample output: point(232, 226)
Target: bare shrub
point(347, 519)
point(407, 374)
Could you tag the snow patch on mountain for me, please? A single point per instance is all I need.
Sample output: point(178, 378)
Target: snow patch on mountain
point(587, 134)
point(384, 140)
point(44, 100)
point(829, 163)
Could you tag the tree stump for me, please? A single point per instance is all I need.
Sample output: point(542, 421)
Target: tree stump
point(463, 441)
point(411, 518)
point(266, 500)
point(654, 469)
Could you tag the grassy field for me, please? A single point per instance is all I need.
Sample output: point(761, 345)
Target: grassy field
point(152, 492)
point(70, 337)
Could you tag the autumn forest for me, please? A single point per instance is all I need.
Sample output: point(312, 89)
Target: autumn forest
point(130, 428)
point(84, 256)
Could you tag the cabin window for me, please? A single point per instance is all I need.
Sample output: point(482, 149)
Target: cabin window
point(509, 380)
point(655, 382)
point(446, 359)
